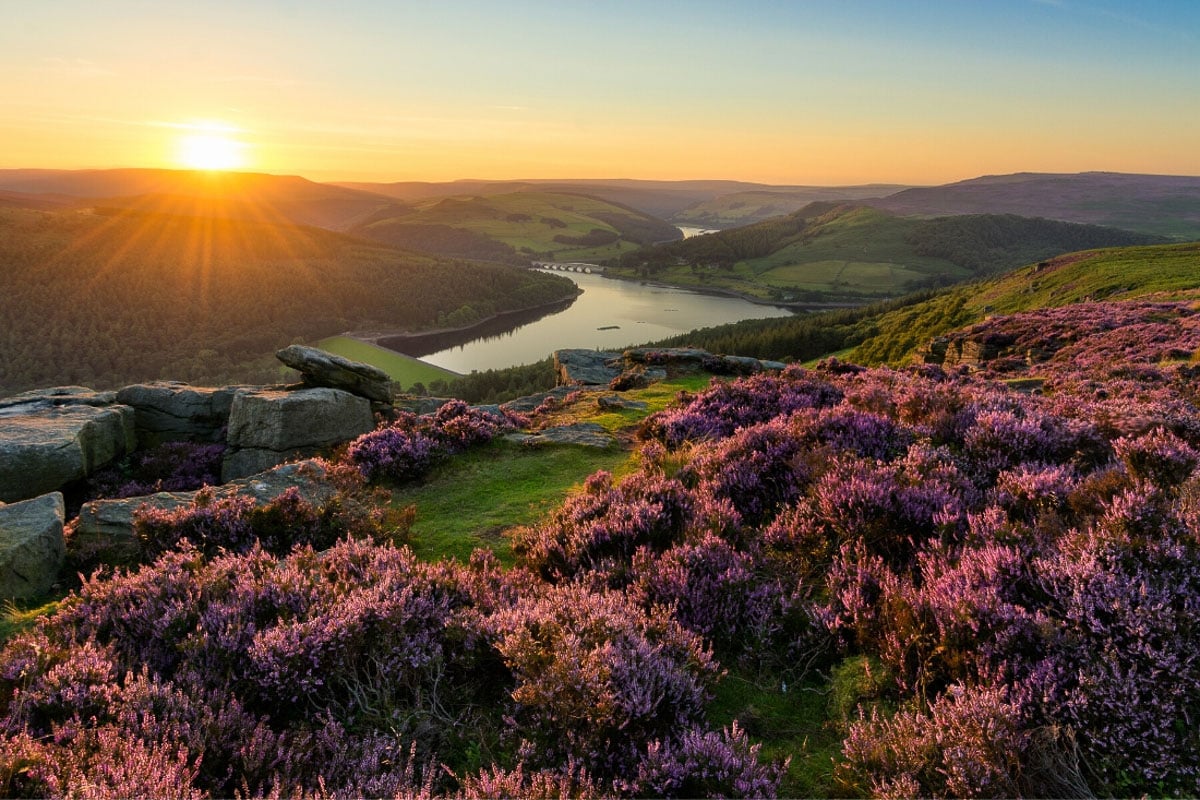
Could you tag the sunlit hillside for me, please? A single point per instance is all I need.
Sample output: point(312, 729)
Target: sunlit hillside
point(845, 253)
point(519, 226)
point(105, 298)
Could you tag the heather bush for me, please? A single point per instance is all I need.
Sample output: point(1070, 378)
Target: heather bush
point(599, 529)
point(967, 743)
point(237, 524)
point(715, 591)
point(410, 445)
point(597, 678)
point(170, 467)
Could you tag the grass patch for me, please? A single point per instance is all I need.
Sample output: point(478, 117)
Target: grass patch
point(472, 499)
point(18, 617)
point(403, 369)
point(788, 723)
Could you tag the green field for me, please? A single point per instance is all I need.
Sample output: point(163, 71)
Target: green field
point(403, 369)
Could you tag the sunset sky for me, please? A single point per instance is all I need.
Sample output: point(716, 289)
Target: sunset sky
point(780, 92)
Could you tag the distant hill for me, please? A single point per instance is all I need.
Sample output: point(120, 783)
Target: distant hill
point(240, 195)
point(1164, 205)
point(848, 253)
point(103, 299)
point(518, 227)
point(657, 198)
point(748, 207)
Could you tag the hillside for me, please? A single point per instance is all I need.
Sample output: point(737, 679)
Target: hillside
point(658, 198)
point(518, 227)
point(106, 299)
point(1163, 205)
point(891, 332)
point(230, 195)
point(747, 207)
point(849, 253)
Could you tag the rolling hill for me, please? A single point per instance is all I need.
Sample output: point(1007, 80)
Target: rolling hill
point(748, 207)
point(287, 199)
point(109, 298)
point(848, 253)
point(518, 227)
point(1164, 205)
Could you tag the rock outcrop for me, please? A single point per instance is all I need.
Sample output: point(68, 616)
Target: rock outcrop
point(104, 530)
point(270, 426)
point(640, 366)
point(322, 369)
point(32, 548)
point(581, 434)
point(51, 439)
point(168, 411)
point(587, 367)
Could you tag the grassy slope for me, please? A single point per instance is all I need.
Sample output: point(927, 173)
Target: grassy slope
point(849, 252)
point(404, 370)
point(1110, 274)
point(516, 219)
point(744, 208)
point(846, 253)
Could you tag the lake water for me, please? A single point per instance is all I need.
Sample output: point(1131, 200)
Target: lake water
point(610, 315)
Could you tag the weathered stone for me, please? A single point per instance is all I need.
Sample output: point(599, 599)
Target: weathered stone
point(666, 355)
point(421, 405)
point(58, 396)
point(168, 411)
point(32, 548)
point(586, 367)
point(104, 530)
point(582, 434)
point(320, 368)
point(611, 402)
point(268, 427)
point(524, 405)
point(44, 447)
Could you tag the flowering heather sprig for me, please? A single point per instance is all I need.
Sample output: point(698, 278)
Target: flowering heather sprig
point(708, 764)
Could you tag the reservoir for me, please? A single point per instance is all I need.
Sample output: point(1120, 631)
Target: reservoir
point(610, 314)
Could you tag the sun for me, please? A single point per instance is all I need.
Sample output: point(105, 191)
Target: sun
point(210, 147)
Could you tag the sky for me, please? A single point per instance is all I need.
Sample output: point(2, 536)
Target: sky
point(836, 92)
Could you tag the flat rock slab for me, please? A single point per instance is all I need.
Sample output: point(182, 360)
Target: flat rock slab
point(104, 529)
point(169, 411)
point(587, 367)
point(320, 368)
point(581, 434)
point(612, 402)
point(268, 426)
point(44, 447)
point(32, 548)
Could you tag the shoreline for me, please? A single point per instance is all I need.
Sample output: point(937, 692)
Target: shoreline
point(375, 336)
point(792, 305)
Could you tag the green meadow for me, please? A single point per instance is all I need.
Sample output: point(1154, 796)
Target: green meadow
point(404, 370)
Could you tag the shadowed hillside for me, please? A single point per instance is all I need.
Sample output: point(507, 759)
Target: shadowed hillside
point(1165, 205)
